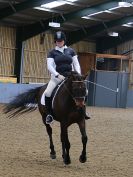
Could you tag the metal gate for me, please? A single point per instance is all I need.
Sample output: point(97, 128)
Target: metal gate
point(101, 96)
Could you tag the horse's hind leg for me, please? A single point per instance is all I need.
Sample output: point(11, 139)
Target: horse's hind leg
point(49, 131)
point(83, 157)
point(65, 145)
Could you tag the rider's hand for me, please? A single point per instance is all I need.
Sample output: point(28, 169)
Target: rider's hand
point(61, 77)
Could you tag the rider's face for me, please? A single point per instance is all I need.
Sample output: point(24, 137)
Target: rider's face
point(60, 43)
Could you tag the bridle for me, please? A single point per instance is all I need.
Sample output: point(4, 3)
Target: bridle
point(78, 99)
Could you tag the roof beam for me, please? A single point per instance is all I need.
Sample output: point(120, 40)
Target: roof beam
point(34, 29)
point(104, 44)
point(90, 10)
point(7, 11)
point(67, 17)
point(89, 32)
point(78, 35)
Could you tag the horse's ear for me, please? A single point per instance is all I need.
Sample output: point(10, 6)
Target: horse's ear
point(85, 76)
point(71, 74)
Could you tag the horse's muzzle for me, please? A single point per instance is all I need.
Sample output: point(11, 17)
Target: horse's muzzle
point(80, 102)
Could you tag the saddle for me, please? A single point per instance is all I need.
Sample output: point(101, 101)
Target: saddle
point(56, 89)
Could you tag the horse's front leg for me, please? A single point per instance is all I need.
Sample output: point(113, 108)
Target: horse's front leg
point(49, 131)
point(65, 145)
point(83, 157)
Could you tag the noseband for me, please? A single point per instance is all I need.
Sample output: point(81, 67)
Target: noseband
point(79, 93)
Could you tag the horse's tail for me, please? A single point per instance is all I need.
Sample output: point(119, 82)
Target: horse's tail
point(22, 103)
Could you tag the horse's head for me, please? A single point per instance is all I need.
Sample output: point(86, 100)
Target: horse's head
point(78, 88)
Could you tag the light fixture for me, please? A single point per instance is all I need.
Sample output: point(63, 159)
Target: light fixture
point(120, 5)
point(54, 24)
point(54, 4)
point(124, 4)
point(93, 14)
point(41, 8)
point(129, 24)
point(126, 25)
point(114, 8)
point(96, 13)
point(71, 0)
point(113, 34)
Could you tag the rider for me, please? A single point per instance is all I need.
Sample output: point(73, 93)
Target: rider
point(60, 61)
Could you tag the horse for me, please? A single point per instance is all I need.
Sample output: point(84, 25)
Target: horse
point(68, 108)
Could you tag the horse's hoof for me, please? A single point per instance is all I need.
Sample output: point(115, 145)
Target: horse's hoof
point(53, 156)
point(82, 159)
point(67, 161)
point(87, 117)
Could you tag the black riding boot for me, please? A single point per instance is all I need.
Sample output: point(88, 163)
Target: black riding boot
point(48, 105)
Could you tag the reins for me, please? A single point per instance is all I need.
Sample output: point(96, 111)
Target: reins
point(69, 91)
point(63, 83)
point(107, 88)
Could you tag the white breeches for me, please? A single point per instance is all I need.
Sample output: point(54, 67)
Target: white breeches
point(51, 85)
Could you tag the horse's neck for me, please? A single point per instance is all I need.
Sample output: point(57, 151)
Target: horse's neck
point(65, 90)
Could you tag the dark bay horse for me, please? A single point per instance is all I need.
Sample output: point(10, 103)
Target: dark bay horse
point(68, 108)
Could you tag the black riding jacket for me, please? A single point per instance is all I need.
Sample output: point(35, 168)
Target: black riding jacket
point(63, 61)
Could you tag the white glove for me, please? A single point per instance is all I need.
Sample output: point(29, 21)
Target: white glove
point(61, 77)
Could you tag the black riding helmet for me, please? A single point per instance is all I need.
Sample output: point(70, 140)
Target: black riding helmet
point(59, 36)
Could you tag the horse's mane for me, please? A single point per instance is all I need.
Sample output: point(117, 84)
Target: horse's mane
point(73, 75)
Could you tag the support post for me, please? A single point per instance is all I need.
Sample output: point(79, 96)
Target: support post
point(17, 64)
point(22, 62)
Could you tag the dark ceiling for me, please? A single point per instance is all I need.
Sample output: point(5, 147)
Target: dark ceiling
point(104, 16)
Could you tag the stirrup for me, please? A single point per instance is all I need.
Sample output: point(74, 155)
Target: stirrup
point(49, 119)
